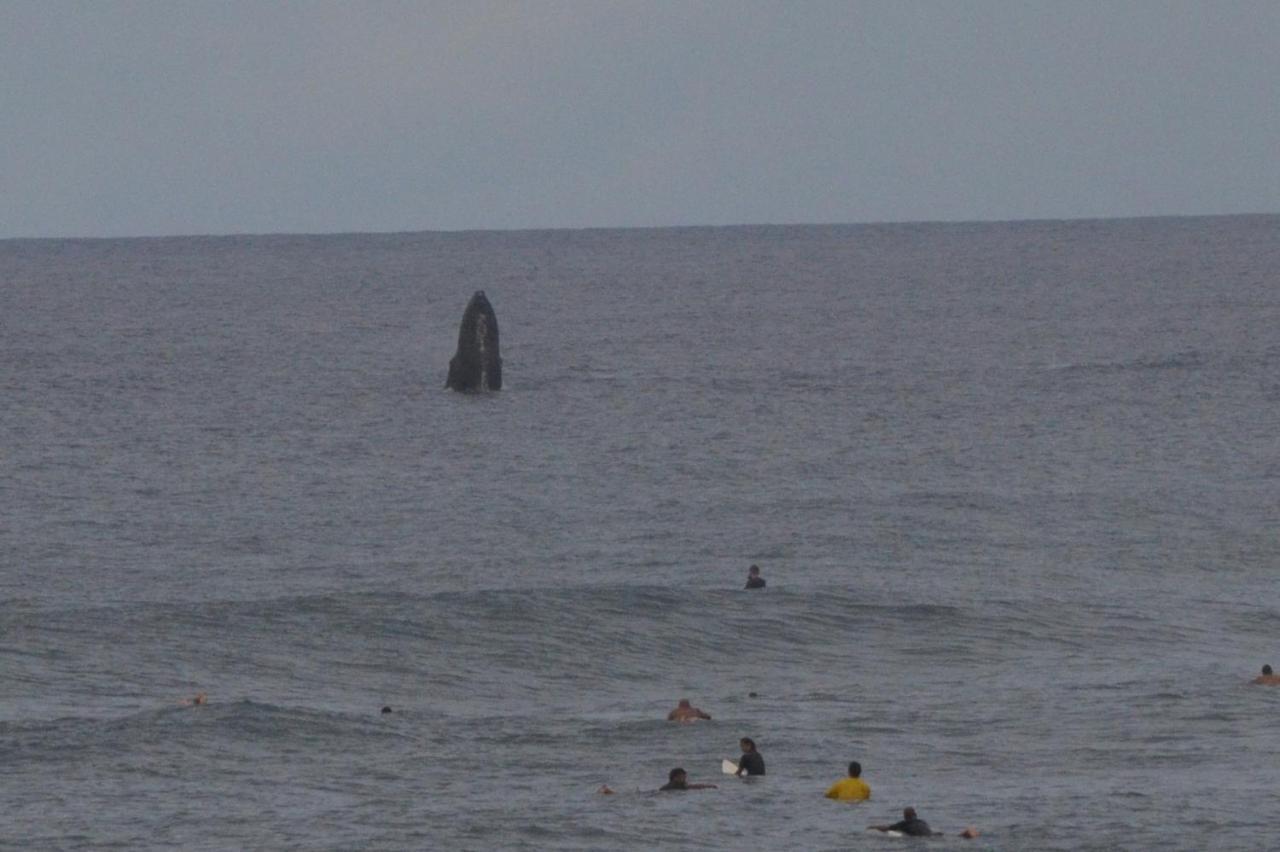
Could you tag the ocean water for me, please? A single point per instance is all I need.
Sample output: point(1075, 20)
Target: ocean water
point(1015, 488)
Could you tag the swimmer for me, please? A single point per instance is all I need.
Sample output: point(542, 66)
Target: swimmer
point(686, 712)
point(851, 788)
point(386, 710)
point(752, 762)
point(605, 790)
point(910, 825)
point(754, 580)
point(196, 700)
point(1267, 678)
point(913, 826)
point(677, 779)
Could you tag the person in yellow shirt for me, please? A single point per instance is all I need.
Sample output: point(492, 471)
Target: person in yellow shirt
point(851, 789)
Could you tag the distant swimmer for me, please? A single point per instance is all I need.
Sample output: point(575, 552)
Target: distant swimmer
point(386, 710)
point(1267, 678)
point(677, 779)
point(686, 712)
point(605, 790)
point(913, 826)
point(197, 699)
point(754, 580)
point(910, 825)
point(752, 762)
point(851, 788)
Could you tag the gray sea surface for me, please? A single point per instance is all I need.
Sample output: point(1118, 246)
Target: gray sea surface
point(1015, 488)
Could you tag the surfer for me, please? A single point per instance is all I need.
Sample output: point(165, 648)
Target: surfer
point(754, 580)
point(752, 762)
point(910, 825)
point(1267, 678)
point(686, 712)
point(677, 779)
point(852, 788)
point(196, 700)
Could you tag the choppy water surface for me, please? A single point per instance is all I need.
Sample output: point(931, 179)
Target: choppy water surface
point(1015, 488)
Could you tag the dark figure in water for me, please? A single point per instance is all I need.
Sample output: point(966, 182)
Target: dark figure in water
point(678, 780)
point(911, 825)
point(752, 762)
point(754, 580)
point(478, 364)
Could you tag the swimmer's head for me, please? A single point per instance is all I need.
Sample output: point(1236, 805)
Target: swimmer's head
point(753, 570)
point(855, 769)
point(684, 702)
point(676, 774)
point(386, 709)
point(747, 744)
point(908, 813)
point(1266, 670)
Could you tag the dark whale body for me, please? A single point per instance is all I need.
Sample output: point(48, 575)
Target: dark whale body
point(478, 364)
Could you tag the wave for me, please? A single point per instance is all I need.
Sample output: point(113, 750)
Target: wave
point(1184, 360)
point(626, 629)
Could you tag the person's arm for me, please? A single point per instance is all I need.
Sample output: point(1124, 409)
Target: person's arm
point(671, 717)
point(742, 767)
point(702, 715)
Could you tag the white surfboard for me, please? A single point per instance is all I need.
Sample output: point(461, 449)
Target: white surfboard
point(728, 767)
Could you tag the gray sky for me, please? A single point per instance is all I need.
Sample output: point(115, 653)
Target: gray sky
point(145, 118)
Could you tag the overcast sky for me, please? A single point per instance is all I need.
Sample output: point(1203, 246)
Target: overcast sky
point(150, 118)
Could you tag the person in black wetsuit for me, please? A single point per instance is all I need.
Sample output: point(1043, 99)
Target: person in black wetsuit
point(911, 825)
point(754, 580)
point(677, 779)
point(752, 762)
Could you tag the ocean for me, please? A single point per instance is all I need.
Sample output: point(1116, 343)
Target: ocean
point(1015, 489)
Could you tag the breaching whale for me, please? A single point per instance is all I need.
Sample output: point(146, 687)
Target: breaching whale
point(478, 364)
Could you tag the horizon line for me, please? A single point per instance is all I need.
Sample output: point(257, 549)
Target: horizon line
point(686, 227)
